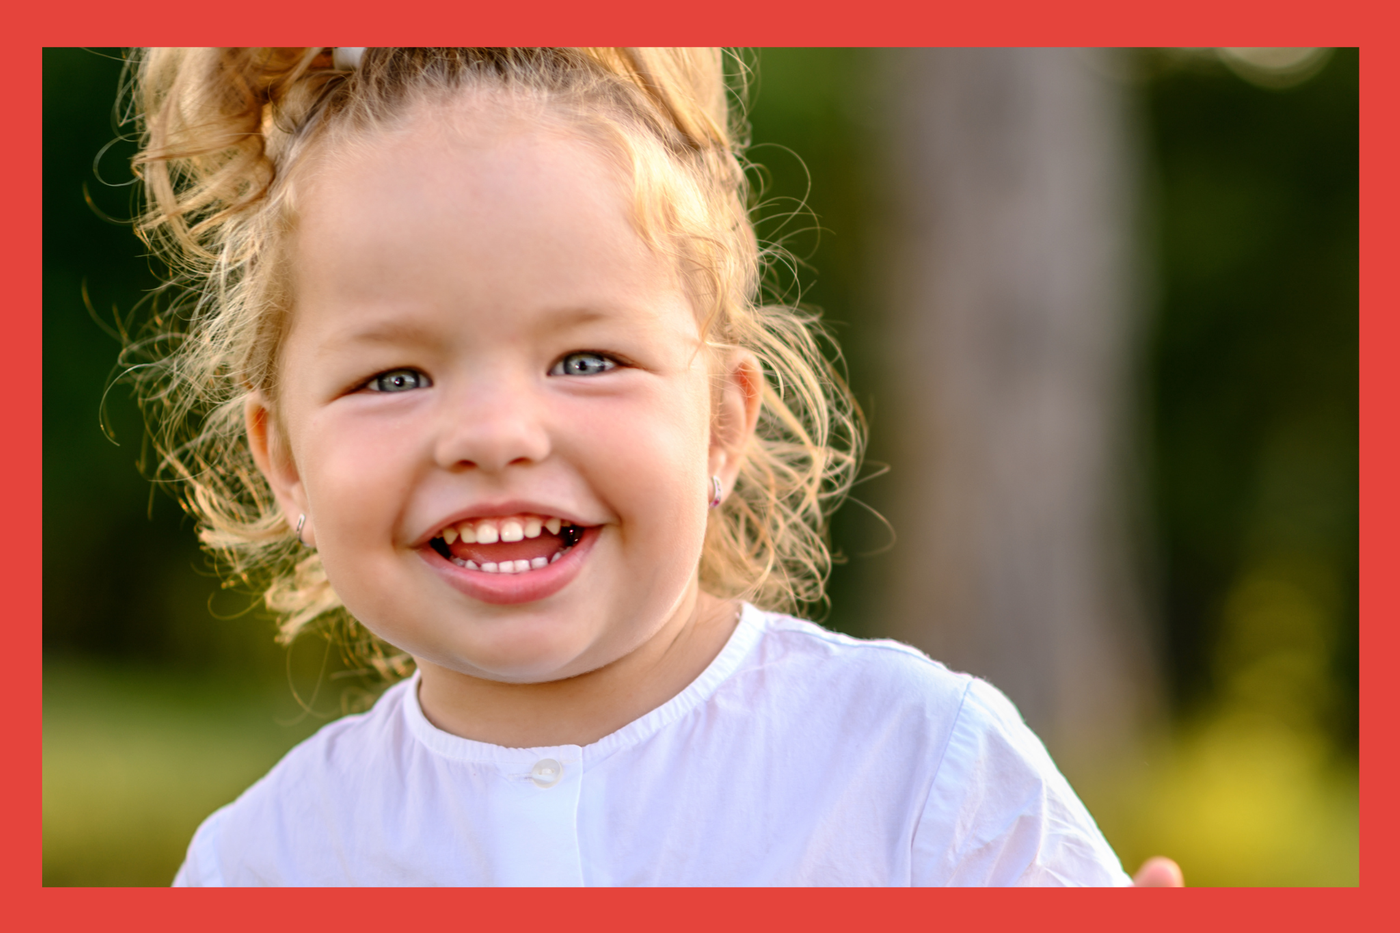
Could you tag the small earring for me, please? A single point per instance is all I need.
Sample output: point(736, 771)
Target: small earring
point(718, 491)
point(301, 520)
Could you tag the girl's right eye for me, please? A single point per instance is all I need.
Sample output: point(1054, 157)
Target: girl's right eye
point(398, 380)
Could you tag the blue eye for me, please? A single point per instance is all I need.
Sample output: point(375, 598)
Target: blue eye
point(583, 364)
point(399, 380)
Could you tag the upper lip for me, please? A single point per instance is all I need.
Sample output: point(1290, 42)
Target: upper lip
point(500, 509)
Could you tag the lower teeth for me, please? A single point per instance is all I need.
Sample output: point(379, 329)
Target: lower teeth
point(514, 566)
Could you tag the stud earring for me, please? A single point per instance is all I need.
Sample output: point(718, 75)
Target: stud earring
point(301, 520)
point(718, 491)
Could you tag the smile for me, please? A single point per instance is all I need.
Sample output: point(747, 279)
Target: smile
point(510, 544)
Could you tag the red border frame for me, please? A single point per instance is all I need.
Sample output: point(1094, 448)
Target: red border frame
point(819, 22)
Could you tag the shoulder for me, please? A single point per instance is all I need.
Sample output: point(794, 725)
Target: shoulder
point(863, 699)
point(989, 805)
point(339, 751)
point(828, 660)
point(255, 838)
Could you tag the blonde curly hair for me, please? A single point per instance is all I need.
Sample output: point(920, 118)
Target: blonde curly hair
point(222, 132)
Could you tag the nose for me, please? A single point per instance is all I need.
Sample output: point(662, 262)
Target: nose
point(492, 424)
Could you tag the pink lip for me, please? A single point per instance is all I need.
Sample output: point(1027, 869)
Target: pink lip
point(504, 589)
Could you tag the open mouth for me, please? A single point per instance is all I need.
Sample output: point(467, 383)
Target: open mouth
point(511, 544)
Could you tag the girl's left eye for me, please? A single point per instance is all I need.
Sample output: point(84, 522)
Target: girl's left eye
point(583, 364)
point(399, 380)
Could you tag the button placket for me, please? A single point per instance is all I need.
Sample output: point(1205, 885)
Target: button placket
point(535, 820)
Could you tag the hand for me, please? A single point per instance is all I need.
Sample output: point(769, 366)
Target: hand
point(1159, 872)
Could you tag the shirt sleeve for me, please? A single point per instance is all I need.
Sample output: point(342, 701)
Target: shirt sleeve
point(201, 865)
point(999, 813)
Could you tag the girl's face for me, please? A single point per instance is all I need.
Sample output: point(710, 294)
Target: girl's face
point(483, 348)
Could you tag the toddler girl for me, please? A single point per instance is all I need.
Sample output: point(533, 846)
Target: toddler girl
point(475, 361)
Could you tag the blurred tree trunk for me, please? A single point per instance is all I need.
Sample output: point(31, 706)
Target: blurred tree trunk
point(1013, 297)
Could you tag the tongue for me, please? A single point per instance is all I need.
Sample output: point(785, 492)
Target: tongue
point(546, 545)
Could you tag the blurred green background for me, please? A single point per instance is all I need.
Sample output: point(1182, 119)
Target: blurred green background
point(164, 695)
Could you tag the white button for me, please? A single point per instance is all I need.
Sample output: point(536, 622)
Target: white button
point(546, 772)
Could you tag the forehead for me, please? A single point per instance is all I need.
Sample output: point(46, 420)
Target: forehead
point(473, 203)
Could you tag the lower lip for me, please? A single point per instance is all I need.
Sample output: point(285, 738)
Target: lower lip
point(504, 589)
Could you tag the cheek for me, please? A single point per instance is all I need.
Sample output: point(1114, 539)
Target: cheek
point(355, 478)
point(656, 471)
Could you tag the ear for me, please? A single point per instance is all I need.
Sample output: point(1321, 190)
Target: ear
point(740, 396)
point(268, 444)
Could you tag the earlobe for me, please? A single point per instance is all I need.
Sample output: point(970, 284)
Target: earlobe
point(268, 445)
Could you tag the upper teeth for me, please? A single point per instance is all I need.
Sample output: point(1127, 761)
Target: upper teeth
point(491, 530)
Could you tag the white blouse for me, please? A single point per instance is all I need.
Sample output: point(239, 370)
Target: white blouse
point(799, 757)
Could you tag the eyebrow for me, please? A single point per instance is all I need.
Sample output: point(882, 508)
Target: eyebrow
point(385, 330)
point(403, 329)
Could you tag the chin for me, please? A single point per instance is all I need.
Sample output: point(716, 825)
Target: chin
point(517, 663)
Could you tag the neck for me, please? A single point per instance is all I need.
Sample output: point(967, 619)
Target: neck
point(581, 710)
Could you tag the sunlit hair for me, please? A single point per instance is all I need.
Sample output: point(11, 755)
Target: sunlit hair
point(224, 134)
